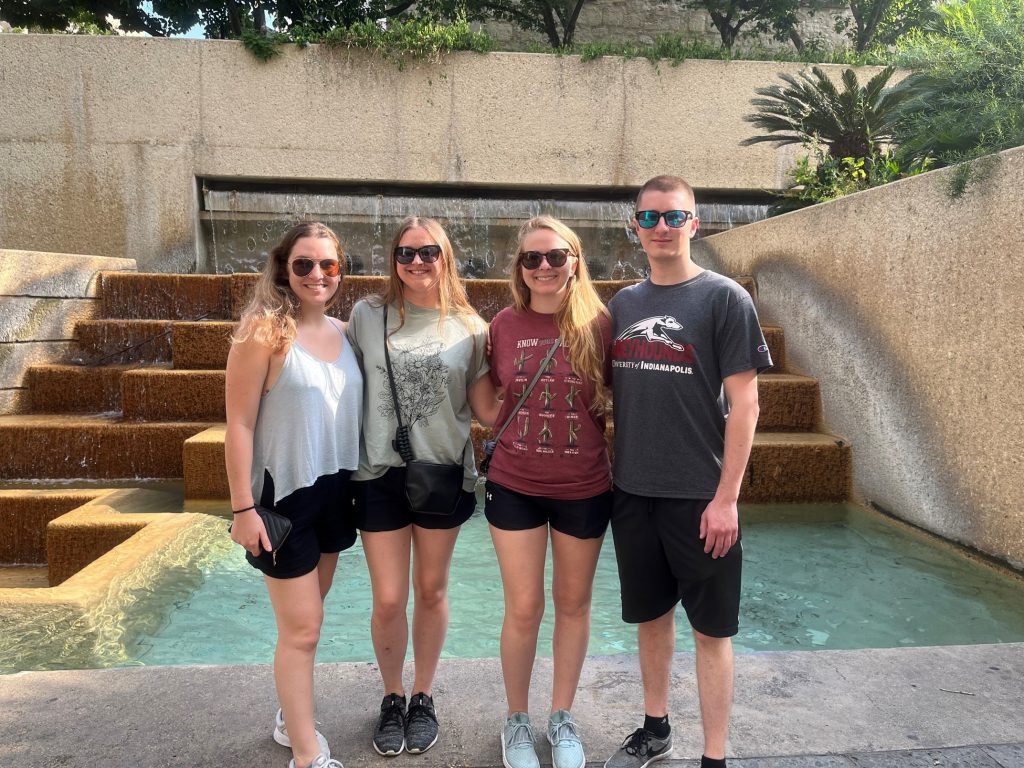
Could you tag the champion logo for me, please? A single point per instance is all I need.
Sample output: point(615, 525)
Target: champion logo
point(763, 348)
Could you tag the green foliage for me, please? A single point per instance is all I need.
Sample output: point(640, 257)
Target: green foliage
point(263, 46)
point(821, 176)
point(873, 23)
point(676, 49)
point(854, 122)
point(966, 93)
point(777, 17)
point(415, 38)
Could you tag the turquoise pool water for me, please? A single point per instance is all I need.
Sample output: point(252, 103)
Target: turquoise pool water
point(815, 577)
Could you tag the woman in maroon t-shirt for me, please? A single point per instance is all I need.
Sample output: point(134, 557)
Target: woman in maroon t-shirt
point(550, 470)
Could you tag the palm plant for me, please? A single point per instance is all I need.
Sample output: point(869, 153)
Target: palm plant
point(855, 122)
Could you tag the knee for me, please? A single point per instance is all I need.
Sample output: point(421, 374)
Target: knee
point(525, 611)
point(711, 645)
point(303, 635)
point(431, 596)
point(570, 604)
point(388, 608)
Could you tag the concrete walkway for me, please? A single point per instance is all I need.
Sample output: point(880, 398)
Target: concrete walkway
point(900, 708)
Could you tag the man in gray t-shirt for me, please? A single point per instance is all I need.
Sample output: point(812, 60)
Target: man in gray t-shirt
point(687, 351)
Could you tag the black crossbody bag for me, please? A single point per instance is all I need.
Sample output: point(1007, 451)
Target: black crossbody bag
point(490, 445)
point(430, 488)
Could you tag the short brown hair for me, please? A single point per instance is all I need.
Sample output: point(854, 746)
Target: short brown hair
point(665, 183)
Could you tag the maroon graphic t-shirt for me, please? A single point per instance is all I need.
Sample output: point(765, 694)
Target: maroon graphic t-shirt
point(555, 446)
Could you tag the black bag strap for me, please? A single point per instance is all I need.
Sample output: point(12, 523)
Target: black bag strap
point(528, 390)
point(401, 442)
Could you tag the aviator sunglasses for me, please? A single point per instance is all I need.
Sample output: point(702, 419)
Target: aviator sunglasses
point(428, 254)
point(674, 219)
point(302, 267)
point(556, 258)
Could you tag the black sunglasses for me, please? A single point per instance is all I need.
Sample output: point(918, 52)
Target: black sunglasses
point(674, 219)
point(556, 257)
point(428, 254)
point(302, 267)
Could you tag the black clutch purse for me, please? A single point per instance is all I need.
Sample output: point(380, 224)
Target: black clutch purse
point(278, 529)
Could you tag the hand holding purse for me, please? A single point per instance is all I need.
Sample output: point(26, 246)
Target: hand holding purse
point(277, 526)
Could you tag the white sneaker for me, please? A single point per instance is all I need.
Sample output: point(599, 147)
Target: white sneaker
point(321, 761)
point(281, 735)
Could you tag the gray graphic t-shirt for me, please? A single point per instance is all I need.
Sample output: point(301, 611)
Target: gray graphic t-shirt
point(673, 345)
point(434, 368)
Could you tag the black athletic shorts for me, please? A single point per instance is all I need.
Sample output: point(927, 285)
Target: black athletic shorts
point(380, 505)
point(513, 511)
point(322, 521)
point(662, 561)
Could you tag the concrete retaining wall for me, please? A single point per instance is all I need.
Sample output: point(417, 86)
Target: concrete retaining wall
point(102, 139)
point(908, 307)
point(43, 295)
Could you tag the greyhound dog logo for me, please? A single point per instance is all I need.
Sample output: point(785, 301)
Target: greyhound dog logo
point(655, 329)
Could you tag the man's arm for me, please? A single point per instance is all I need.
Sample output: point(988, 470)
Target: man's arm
point(719, 525)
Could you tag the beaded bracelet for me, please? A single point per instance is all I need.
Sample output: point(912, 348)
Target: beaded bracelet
point(240, 511)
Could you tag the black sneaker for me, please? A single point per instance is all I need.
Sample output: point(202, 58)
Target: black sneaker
point(389, 736)
point(420, 724)
point(640, 749)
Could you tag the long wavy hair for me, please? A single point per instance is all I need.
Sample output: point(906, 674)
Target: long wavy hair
point(451, 292)
point(269, 317)
point(577, 316)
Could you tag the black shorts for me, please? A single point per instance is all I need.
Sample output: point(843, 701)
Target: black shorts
point(322, 522)
point(380, 505)
point(662, 561)
point(513, 511)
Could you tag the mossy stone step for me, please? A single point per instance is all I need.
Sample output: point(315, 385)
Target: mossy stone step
point(154, 394)
point(113, 342)
point(783, 467)
point(205, 344)
point(74, 388)
point(158, 296)
point(788, 402)
point(24, 514)
point(60, 446)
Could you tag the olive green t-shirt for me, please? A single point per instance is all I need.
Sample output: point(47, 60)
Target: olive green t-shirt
point(434, 367)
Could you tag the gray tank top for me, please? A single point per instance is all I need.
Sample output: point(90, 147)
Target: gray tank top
point(308, 423)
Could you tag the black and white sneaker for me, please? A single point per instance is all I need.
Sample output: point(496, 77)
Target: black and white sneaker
point(420, 724)
point(389, 736)
point(640, 749)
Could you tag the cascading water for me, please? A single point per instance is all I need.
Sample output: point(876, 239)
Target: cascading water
point(240, 226)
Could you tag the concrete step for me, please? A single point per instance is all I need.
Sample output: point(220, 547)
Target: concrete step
point(74, 388)
point(160, 394)
point(91, 446)
point(783, 467)
point(124, 341)
point(157, 296)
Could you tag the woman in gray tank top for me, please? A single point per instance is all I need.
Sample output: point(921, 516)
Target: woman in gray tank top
point(293, 394)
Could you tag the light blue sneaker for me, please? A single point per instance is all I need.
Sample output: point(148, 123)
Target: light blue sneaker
point(564, 735)
point(517, 742)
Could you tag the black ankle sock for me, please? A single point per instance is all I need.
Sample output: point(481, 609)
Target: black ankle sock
point(658, 726)
point(710, 762)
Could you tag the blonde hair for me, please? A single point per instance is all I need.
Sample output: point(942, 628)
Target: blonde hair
point(269, 317)
point(451, 292)
point(578, 314)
